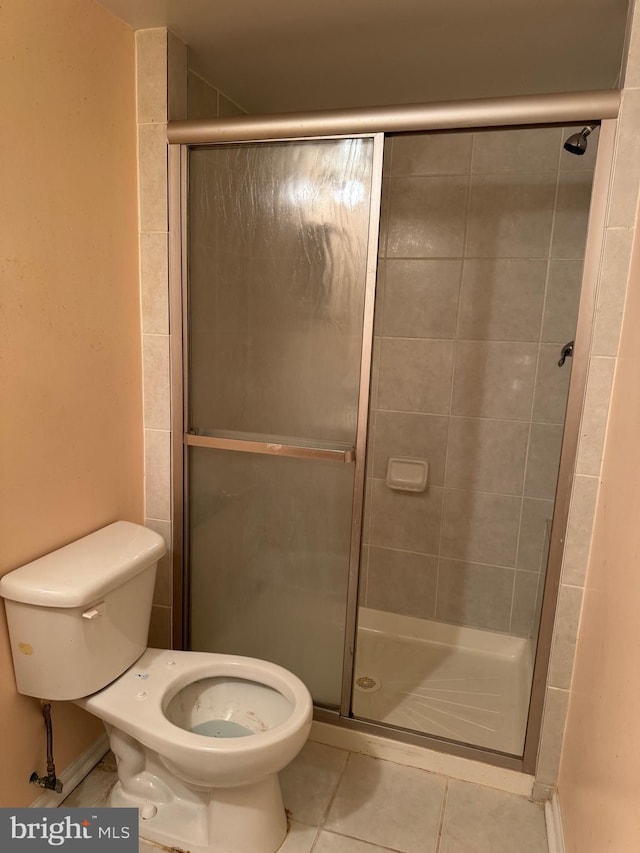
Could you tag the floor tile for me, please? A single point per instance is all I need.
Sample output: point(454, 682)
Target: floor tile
point(310, 781)
point(484, 820)
point(388, 804)
point(109, 762)
point(103, 799)
point(379, 807)
point(329, 842)
point(93, 789)
point(299, 839)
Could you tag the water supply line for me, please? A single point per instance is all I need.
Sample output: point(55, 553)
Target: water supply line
point(49, 781)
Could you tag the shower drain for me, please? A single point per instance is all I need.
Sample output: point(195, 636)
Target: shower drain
point(367, 684)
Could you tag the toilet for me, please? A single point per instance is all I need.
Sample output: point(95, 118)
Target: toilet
point(199, 737)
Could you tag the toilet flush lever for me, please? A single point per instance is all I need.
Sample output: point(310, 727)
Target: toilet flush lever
point(94, 612)
point(565, 353)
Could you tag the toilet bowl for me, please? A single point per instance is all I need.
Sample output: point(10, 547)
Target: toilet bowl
point(199, 737)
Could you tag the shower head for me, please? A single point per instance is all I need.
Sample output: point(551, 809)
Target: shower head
point(577, 142)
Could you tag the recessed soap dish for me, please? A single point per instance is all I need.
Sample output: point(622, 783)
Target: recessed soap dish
point(407, 475)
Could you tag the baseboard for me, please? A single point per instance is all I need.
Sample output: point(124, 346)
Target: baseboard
point(74, 774)
point(553, 820)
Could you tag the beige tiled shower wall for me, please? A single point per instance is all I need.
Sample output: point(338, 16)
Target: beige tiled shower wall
point(166, 89)
point(481, 254)
point(620, 198)
point(205, 101)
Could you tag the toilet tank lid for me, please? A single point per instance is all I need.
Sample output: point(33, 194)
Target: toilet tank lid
point(84, 571)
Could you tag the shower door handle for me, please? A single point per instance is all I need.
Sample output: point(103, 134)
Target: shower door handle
point(273, 445)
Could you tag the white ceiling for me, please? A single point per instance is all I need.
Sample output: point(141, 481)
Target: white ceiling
point(290, 55)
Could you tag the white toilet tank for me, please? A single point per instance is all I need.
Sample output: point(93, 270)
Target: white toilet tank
point(79, 617)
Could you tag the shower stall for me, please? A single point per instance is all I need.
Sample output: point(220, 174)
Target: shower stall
point(377, 335)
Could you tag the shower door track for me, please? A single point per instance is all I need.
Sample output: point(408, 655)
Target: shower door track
point(545, 109)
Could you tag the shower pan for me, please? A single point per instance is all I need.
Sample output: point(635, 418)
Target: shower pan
point(337, 316)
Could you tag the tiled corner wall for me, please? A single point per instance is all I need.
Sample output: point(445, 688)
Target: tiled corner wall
point(205, 101)
point(481, 254)
point(161, 77)
point(612, 276)
point(166, 89)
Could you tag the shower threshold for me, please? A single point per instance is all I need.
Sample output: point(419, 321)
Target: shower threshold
point(463, 684)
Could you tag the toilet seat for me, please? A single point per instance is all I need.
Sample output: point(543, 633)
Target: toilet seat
point(136, 703)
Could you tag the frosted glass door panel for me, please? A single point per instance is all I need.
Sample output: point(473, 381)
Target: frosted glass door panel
point(278, 242)
point(269, 546)
point(278, 237)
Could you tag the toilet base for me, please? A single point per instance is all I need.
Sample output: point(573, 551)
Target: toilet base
point(248, 819)
point(243, 819)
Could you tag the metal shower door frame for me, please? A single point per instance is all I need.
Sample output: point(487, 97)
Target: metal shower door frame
point(182, 440)
point(501, 112)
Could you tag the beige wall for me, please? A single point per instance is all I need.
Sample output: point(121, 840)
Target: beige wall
point(600, 767)
point(71, 423)
point(600, 770)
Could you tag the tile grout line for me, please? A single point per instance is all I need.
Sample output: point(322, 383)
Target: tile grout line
point(450, 407)
point(332, 798)
point(321, 825)
point(478, 417)
point(363, 841)
point(315, 840)
point(442, 815)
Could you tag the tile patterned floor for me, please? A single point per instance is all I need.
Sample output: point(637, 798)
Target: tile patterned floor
point(343, 802)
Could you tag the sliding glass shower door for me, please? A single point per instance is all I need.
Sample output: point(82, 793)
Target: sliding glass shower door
point(281, 244)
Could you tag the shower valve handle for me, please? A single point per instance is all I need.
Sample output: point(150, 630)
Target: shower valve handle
point(565, 352)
